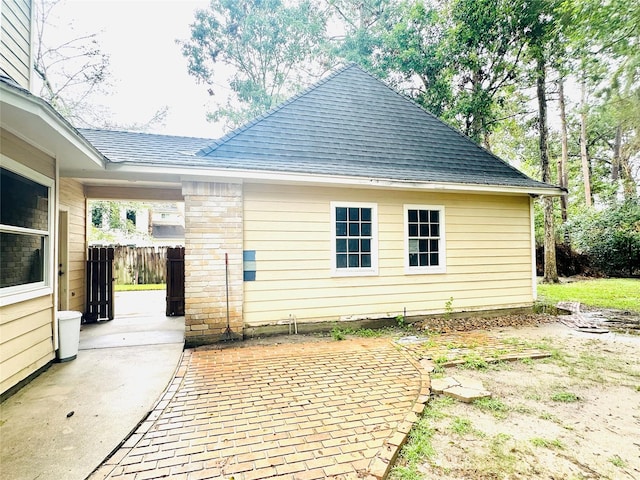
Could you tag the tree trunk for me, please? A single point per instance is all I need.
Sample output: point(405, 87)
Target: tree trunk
point(550, 267)
point(615, 162)
point(586, 174)
point(563, 174)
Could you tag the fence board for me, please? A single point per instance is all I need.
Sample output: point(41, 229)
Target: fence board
point(100, 298)
point(140, 265)
point(175, 281)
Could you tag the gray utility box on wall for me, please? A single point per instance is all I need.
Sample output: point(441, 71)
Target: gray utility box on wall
point(68, 335)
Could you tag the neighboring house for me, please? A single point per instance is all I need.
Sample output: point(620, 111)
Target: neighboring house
point(347, 202)
point(167, 223)
point(136, 223)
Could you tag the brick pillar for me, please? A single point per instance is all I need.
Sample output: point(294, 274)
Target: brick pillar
point(213, 227)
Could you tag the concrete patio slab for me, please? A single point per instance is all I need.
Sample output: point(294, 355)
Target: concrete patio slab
point(65, 422)
point(289, 411)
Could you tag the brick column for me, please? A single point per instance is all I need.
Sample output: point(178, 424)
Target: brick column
point(213, 227)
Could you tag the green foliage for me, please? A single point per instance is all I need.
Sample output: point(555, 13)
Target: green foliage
point(545, 443)
point(473, 361)
point(492, 405)
point(617, 461)
point(611, 237)
point(621, 294)
point(269, 44)
point(461, 426)
point(564, 397)
point(337, 333)
point(448, 308)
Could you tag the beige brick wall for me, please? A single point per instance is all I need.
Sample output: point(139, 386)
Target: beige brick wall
point(213, 227)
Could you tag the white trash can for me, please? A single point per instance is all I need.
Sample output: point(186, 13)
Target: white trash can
point(68, 335)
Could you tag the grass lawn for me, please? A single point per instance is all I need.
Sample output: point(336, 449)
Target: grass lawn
point(136, 288)
point(618, 293)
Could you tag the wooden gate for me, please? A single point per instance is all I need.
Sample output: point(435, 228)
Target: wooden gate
point(175, 282)
point(99, 305)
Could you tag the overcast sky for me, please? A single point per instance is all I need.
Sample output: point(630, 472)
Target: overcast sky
point(147, 67)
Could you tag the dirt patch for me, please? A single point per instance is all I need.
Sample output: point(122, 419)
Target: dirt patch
point(574, 415)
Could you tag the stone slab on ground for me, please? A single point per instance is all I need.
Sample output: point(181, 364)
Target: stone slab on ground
point(469, 382)
point(466, 395)
point(439, 385)
point(460, 387)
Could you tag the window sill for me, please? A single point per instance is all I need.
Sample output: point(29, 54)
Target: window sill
point(22, 295)
point(425, 271)
point(354, 273)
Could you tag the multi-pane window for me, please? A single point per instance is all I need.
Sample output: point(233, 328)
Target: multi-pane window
point(25, 217)
point(355, 242)
point(424, 232)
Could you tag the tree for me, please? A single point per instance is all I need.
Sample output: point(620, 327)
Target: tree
point(359, 25)
point(271, 47)
point(485, 44)
point(563, 161)
point(611, 237)
point(69, 72)
point(72, 72)
point(540, 51)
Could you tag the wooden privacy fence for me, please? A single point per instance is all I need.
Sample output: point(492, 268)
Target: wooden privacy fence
point(175, 281)
point(139, 265)
point(99, 284)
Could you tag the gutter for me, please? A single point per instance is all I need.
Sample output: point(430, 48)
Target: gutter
point(24, 100)
point(186, 173)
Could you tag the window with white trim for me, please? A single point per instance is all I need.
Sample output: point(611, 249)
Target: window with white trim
point(424, 239)
point(25, 229)
point(354, 230)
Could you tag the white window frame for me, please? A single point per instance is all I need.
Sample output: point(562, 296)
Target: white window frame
point(20, 293)
point(360, 271)
point(442, 260)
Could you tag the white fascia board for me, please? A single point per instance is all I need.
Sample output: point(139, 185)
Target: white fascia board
point(34, 106)
point(191, 173)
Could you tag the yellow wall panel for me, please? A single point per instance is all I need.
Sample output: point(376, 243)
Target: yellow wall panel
point(26, 339)
point(488, 243)
point(72, 200)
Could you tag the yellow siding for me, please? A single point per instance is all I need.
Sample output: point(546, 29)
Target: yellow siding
point(22, 152)
point(15, 40)
point(488, 256)
point(26, 328)
point(26, 339)
point(72, 199)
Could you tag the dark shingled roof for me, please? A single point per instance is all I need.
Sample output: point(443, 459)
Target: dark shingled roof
point(349, 124)
point(137, 147)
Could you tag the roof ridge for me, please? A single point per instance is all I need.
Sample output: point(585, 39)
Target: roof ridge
point(141, 133)
point(235, 132)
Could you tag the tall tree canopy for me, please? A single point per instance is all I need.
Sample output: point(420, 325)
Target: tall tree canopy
point(494, 69)
point(268, 47)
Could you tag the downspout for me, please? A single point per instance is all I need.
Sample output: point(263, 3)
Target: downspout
point(53, 274)
point(534, 279)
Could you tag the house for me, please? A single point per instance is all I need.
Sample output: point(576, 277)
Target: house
point(40, 211)
point(346, 202)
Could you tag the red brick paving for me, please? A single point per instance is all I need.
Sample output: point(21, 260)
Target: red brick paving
point(298, 411)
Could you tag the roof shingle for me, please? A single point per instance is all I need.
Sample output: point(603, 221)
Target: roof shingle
point(349, 124)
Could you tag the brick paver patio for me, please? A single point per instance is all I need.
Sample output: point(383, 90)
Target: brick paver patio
point(295, 411)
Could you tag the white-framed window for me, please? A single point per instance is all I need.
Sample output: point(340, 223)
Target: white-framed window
point(354, 232)
point(425, 247)
point(26, 216)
